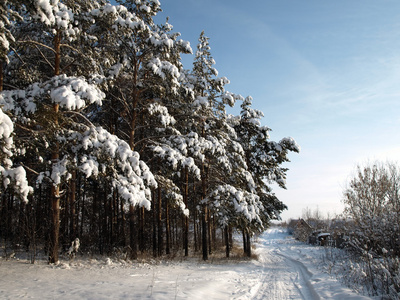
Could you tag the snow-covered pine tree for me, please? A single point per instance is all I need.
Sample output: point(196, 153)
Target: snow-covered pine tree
point(264, 159)
point(143, 65)
point(89, 83)
point(58, 85)
point(209, 123)
point(9, 11)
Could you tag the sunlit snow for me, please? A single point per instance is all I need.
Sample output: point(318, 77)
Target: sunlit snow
point(285, 269)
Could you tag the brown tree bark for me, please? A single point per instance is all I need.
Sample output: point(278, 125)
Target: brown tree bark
point(209, 229)
point(204, 214)
point(204, 232)
point(72, 205)
point(132, 233)
point(248, 244)
point(55, 224)
point(226, 236)
point(154, 221)
point(123, 221)
point(159, 224)
point(55, 189)
point(55, 208)
point(167, 229)
point(141, 214)
point(133, 115)
point(244, 242)
point(185, 218)
point(82, 209)
point(230, 237)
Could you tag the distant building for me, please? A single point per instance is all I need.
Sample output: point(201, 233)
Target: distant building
point(302, 230)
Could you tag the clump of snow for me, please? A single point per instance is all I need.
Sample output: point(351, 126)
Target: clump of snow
point(59, 170)
point(112, 157)
point(6, 140)
point(163, 114)
point(17, 177)
point(163, 68)
point(74, 93)
point(120, 18)
point(228, 200)
point(71, 93)
point(56, 14)
point(73, 249)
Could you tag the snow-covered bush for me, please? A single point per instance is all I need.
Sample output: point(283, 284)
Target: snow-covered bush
point(372, 201)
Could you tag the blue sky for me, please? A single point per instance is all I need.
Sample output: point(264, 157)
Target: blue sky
point(326, 73)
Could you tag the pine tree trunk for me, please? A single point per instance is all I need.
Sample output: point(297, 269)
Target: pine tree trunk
point(159, 224)
point(204, 214)
point(185, 218)
point(195, 230)
point(244, 242)
point(167, 229)
point(132, 225)
point(227, 246)
point(55, 209)
point(123, 221)
point(153, 209)
point(113, 220)
point(104, 240)
point(72, 205)
point(93, 217)
point(195, 223)
point(55, 225)
point(83, 215)
point(64, 221)
point(141, 229)
point(100, 219)
point(248, 244)
point(230, 237)
point(132, 232)
point(55, 189)
point(204, 232)
point(3, 215)
point(209, 229)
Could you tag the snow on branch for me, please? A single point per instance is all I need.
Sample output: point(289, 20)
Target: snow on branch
point(120, 17)
point(162, 112)
point(71, 93)
point(6, 140)
point(163, 69)
point(290, 144)
point(230, 202)
point(105, 153)
point(173, 193)
point(56, 14)
point(176, 158)
point(14, 176)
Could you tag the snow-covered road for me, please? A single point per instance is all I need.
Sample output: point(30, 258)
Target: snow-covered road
point(286, 269)
point(284, 277)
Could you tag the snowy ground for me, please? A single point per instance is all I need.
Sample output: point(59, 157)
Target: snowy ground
point(285, 269)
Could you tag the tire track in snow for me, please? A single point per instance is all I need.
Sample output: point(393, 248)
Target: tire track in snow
point(276, 278)
point(282, 277)
point(307, 291)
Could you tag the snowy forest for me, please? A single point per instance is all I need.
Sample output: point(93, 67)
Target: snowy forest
point(107, 138)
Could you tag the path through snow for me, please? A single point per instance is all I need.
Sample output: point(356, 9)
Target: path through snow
point(286, 269)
